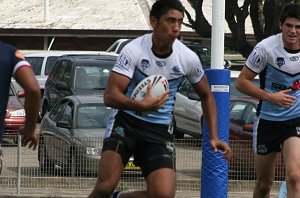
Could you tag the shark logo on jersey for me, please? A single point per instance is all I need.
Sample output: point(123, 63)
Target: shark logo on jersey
point(262, 148)
point(145, 64)
point(176, 70)
point(161, 63)
point(280, 61)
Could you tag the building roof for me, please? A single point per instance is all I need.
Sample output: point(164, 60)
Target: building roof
point(85, 14)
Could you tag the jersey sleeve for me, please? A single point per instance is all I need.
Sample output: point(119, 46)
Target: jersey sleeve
point(126, 61)
point(195, 70)
point(256, 61)
point(19, 61)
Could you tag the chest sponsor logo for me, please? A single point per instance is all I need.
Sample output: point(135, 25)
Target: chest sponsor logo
point(280, 61)
point(294, 58)
point(161, 63)
point(277, 86)
point(145, 64)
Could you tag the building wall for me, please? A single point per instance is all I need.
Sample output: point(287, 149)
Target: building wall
point(60, 43)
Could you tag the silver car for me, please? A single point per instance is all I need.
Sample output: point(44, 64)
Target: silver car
point(71, 135)
point(188, 115)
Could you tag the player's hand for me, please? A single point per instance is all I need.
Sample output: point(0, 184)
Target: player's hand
point(29, 137)
point(152, 103)
point(223, 146)
point(283, 98)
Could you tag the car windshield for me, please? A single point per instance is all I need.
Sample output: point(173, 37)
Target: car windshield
point(91, 77)
point(92, 116)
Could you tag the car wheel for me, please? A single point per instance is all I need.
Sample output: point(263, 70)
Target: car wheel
point(45, 164)
point(177, 134)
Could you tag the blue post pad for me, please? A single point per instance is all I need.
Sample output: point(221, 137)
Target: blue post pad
point(214, 175)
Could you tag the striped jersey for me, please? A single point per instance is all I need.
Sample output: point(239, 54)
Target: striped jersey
point(137, 61)
point(278, 70)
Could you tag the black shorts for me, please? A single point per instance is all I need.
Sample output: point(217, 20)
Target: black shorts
point(271, 134)
point(151, 144)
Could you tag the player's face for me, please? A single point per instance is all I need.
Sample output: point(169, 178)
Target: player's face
point(168, 27)
point(291, 33)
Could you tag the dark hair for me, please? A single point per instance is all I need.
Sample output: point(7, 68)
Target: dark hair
point(290, 11)
point(161, 7)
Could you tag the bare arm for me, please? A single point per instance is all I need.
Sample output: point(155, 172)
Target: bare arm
point(115, 97)
point(244, 84)
point(26, 78)
point(210, 114)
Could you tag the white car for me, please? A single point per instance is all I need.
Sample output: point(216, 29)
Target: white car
point(188, 115)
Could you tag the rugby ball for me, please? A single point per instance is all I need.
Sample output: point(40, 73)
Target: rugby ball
point(159, 86)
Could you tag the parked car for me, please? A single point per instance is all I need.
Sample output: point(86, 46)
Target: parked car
point(203, 52)
point(76, 74)
point(188, 115)
point(15, 115)
point(71, 135)
point(242, 113)
point(43, 61)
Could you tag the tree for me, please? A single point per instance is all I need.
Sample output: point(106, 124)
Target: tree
point(264, 15)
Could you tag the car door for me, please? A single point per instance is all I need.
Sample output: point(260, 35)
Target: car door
point(60, 143)
point(241, 120)
point(241, 130)
point(187, 112)
point(60, 84)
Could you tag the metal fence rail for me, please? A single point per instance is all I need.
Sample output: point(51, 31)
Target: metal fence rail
point(29, 178)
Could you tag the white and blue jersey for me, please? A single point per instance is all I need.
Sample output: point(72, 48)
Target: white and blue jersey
point(278, 70)
point(137, 61)
point(10, 61)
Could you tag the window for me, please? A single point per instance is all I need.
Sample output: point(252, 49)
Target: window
point(250, 114)
point(36, 63)
point(62, 71)
point(236, 113)
point(51, 60)
point(67, 113)
point(92, 115)
point(57, 110)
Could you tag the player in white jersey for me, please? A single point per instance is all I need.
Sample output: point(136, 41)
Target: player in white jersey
point(277, 126)
point(149, 136)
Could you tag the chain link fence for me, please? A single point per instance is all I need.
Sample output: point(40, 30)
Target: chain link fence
point(24, 172)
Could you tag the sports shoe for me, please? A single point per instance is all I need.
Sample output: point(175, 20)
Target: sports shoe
point(115, 194)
